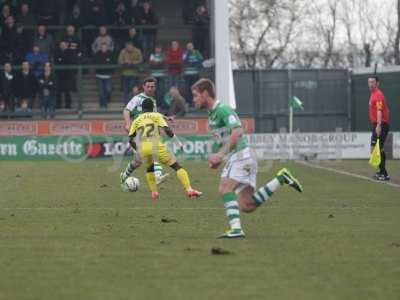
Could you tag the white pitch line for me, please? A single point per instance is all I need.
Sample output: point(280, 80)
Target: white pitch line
point(348, 174)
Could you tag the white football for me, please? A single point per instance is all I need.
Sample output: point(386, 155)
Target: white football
point(131, 184)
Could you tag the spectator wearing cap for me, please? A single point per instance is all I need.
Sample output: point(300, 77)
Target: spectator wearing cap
point(37, 60)
point(129, 58)
point(25, 17)
point(104, 75)
point(7, 79)
point(26, 85)
point(192, 60)
point(103, 38)
point(44, 40)
point(47, 92)
point(174, 63)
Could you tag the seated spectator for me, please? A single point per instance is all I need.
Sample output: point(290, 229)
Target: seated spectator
point(44, 40)
point(5, 13)
point(104, 76)
point(37, 60)
point(47, 92)
point(26, 85)
point(130, 58)
point(73, 41)
point(9, 36)
point(65, 77)
point(174, 62)
point(148, 17)
point(192, 60)
point(7, 86)
point(24, 107)
point(95, 13)
point(178, 103)
point(134, 38)
point(25, 17)
point(103, 38)
point(201, 30)
point(157, 63)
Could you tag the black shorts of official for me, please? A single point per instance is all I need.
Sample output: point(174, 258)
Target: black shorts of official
point(384, 133)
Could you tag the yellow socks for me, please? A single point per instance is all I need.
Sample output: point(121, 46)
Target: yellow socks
point(183, 178)
point(151, 181)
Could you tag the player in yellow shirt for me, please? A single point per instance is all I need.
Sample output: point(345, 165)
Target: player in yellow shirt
point(145, 137)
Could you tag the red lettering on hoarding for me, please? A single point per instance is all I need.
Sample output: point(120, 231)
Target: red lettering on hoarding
point(70, 128)
point(18, 128)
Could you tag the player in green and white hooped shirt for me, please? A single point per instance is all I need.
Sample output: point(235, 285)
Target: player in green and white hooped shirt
point(238, 180)
point(131, 111)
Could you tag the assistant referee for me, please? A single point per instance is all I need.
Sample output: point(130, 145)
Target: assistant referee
point(379, 117)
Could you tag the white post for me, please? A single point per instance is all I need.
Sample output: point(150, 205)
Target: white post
point(223, 66)
point(290, 95)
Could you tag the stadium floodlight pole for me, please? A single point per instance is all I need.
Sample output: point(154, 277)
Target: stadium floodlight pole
point(223, 64)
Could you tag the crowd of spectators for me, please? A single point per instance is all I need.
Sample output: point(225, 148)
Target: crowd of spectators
point(30, 49)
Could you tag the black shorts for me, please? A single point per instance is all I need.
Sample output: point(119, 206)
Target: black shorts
point(382, 138)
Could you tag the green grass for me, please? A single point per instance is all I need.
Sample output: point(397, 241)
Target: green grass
point(68, 232)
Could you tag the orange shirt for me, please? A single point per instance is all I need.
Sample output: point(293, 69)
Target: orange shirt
point(377, 102)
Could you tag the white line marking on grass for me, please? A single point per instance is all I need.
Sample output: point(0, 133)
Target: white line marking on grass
point(347, 173)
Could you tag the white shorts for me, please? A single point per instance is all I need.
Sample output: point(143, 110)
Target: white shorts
point(242, 167)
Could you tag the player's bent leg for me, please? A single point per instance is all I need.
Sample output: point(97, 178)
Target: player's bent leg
point(183, 177)
point(226, 189)
point(245, 199)
point(132, 166)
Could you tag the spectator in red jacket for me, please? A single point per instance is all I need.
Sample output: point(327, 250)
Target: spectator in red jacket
point(174, 62)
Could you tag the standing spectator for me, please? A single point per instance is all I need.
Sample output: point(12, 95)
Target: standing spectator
point(22, 46)
point(157, 63)
point(44, 40)
point(379, 117)
point(95, 12)
point(73, 41)
point(178, 103)
point(37, 60)
point(121, 17)
point(129, 58)
point(47, 92)
point(192, 60)
point(25, 17)
point(174, 62)
point(9, 36)
point(76, 17)
point(7, 86)
point(104, 76)
point(201, 30)
point(103, 38)
point(148, 17)
point(5, 13)
point(134, 38)
point(47, 12)
point(65, 78)
point(26, 86)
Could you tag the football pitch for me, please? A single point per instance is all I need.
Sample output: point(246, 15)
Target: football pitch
point(68, 232)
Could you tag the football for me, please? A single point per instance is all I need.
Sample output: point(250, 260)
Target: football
point(131, 184)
